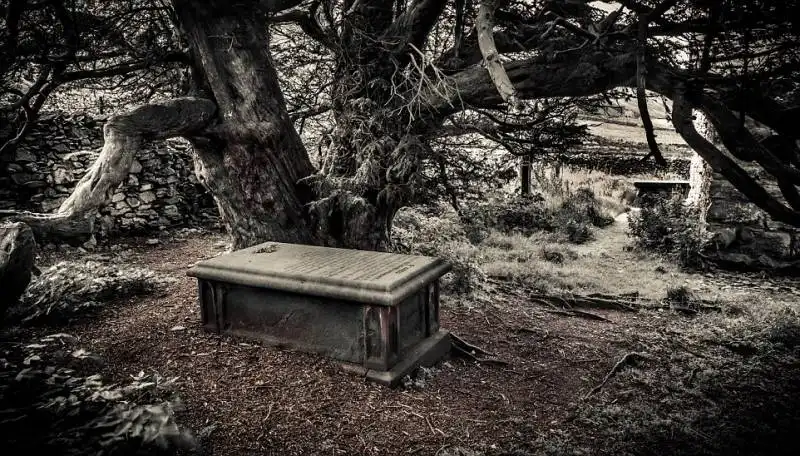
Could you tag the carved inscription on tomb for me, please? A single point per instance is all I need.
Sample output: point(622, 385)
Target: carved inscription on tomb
point(354, 265)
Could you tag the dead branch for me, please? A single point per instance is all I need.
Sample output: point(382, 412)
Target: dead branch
point(578, 313)
point(485, 24)
point(466, 346)
point(629, 359)
point(17, 252)
point(586, 302)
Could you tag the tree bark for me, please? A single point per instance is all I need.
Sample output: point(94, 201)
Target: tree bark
point(17, 252)
point(682, 120)
point(700, 173)
point(485, 25)
point(253, 160)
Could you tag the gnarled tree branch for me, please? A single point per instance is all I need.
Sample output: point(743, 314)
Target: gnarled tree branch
point(485, 25)
point(123, 135)
point(682, 120)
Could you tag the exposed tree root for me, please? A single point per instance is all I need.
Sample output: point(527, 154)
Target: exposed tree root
point(630, 359)
point(123, 136)
point(460, 347)
point(587, 302)
point(578, 313)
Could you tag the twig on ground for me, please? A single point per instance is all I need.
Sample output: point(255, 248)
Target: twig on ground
point(629, 359)
point(578, 313)
point(586, 301)
point(470, 351)
point(690, 378)
point(466, 346)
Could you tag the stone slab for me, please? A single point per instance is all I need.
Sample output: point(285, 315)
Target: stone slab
point(353, 275)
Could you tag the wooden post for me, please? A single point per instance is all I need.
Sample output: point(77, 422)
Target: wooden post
point(525, 174)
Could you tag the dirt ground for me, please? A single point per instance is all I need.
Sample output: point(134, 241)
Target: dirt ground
point(244, 398)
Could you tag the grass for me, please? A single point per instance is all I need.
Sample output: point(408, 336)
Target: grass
point(715, 384)
point(708, 382)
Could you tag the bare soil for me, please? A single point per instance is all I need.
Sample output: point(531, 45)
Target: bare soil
point(242, 397)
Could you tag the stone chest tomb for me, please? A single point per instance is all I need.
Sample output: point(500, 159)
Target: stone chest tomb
point(378, 312)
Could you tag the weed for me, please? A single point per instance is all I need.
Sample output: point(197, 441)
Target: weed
point(668, 226)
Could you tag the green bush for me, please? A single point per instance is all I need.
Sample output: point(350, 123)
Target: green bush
point(666, 225)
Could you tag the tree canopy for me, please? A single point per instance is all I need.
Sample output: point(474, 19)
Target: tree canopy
point(381, 82)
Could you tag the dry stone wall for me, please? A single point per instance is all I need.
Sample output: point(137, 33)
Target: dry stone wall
point(161, 190)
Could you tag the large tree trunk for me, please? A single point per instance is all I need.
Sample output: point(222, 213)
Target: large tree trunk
point(700, 173)
point(253, 159)
point(369, 166)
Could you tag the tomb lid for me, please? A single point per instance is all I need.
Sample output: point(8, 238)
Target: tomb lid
point(353, 275)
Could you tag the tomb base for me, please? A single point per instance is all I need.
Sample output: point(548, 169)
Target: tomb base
point(425, 354)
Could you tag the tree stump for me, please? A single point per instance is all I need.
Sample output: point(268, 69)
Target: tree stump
point(17, 252)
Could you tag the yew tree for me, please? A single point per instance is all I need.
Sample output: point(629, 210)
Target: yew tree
point(401, 73)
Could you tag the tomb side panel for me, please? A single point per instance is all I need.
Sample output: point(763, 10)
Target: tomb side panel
point(307, 323)
point(411, 327)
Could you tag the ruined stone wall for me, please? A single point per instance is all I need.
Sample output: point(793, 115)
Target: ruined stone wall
point(161, 191)
point(762, 236)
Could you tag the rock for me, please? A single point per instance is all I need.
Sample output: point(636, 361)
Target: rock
point(147, 197)
point(136, 167)
point(36, 184)
point(23, 178)
point(120, 209)
point(117, 197)
point(24, 155)
point(133, 201)
point(61, 148)
point(171, 211)
point(61, 176)
point(91, 244)
point(146, 187)
point(52, 205)
point(152, 241)
point(13, 168)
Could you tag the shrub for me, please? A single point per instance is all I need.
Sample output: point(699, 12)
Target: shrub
point(416, 233)
point(667, 226)
point(70, 288)
point(47, 407)
point(518, 214)
point(573, 215)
